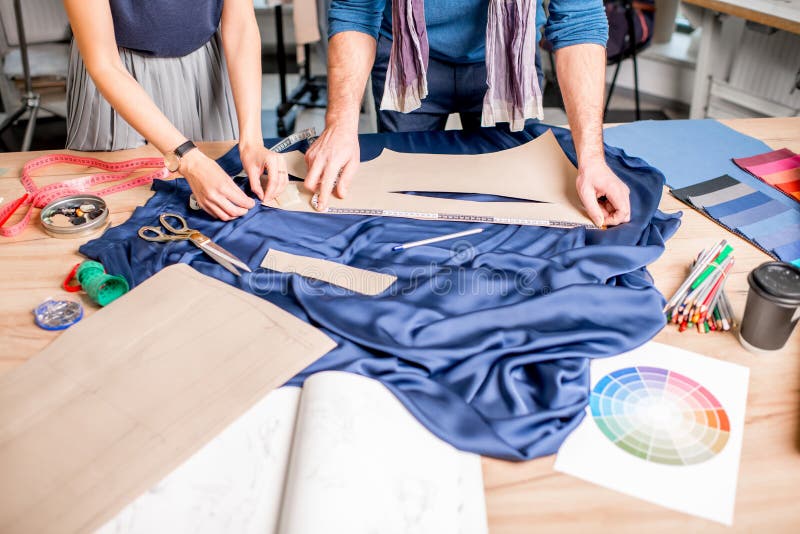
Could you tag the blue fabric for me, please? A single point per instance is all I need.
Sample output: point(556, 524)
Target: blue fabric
point(457, 28)
point(754, 214)
point(486, 340)
point(783, 236)
point(788, 252)
point(736, 205)
point(165, 28)
point(771, 224)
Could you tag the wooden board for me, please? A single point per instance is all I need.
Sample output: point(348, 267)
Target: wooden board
point(781, 14)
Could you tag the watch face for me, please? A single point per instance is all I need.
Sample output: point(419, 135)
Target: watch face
point(172, 162)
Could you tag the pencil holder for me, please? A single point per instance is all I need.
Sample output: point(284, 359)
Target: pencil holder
point(773, 307)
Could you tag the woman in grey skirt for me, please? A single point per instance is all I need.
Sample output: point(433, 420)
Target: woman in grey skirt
point(169, 72)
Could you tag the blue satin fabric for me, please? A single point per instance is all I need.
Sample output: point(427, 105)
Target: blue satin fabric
point(486, 340)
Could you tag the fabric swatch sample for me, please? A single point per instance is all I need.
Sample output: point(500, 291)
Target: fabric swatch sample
point(359, 280)
point(783, 177)
point(704, 188)
point(769, 162)
point(737, 205)
point(779, 168)
point(723, 195)
point(789, 252)
point(771, 224)
point(780, 237)
point(765, 222)
point(748, 216)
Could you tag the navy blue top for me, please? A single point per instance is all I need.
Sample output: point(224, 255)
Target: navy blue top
point(165, 28)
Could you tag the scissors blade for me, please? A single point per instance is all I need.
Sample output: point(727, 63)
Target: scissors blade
point(219, 253)
point(223, 262)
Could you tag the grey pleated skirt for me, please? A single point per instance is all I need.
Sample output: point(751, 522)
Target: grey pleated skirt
point(193, 91)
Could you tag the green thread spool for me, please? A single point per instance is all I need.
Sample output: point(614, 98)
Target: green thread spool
point(102, 288)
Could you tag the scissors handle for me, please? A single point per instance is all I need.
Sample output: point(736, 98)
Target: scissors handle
point(180, 229)
point(153, 233)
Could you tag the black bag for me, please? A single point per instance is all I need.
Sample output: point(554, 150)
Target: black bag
point(621, 13)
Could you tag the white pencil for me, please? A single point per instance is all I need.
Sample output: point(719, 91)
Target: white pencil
point(437, 239)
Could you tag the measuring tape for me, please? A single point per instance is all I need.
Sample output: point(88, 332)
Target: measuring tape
point(36, 197)
point(456, 217)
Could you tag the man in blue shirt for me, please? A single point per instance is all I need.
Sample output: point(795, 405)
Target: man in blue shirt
point(361, 40)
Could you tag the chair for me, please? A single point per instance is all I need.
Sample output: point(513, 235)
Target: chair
point(33, 45)
point(630, 29)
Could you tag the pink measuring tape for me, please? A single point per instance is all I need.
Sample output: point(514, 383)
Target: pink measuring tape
point(36, 197)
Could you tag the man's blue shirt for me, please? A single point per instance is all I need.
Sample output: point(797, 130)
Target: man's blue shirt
point(457, 28)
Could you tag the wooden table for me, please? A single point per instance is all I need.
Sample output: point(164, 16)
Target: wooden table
point(781, 14)
point(530, 496)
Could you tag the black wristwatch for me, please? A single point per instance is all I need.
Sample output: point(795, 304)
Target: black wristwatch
point(172, 160)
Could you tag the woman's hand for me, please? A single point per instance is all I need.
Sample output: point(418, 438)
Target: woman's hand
point(213, 189)
point(256, 159)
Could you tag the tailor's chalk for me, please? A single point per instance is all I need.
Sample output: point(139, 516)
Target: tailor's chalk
point(437, 239)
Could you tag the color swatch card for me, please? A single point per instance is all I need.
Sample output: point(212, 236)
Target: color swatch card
point(769, 224)
point(664, 425)
point(779, 168)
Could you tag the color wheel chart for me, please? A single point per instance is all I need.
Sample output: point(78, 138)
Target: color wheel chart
point(659, 415)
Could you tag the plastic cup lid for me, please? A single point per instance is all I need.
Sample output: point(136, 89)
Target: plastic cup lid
point(781, 281)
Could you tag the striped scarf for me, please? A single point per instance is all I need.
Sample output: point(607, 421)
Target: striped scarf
point(513, 93)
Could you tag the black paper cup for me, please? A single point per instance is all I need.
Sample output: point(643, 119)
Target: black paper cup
point(773, 307)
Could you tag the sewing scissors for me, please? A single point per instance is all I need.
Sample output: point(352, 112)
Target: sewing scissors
point(181, 231)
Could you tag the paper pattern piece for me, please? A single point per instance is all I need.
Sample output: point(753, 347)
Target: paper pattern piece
point(537, 171)
point(664, 425)
point(352, 278)
point(124, 396)
point(340, 455)
point(757, 217)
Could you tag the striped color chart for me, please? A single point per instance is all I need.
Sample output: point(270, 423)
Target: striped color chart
point(772, 225)
point(779, 168)
point(659, 415)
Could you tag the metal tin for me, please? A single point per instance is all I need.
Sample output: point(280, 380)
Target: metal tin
point(75, 216)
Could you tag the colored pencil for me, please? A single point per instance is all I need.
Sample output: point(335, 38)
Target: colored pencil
point(700, 301)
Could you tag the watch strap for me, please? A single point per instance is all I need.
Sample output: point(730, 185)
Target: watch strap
point(184, 148)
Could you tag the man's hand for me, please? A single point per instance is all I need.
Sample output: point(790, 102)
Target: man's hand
point(332, 160)
point(256, 159)
point(581, 75)
point(334, 157)
point(213, 189)
point(605, 197)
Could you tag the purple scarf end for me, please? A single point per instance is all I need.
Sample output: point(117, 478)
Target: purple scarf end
point(513, 94)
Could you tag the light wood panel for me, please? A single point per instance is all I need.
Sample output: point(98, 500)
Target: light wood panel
point(781, 14)
point(521, 497)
